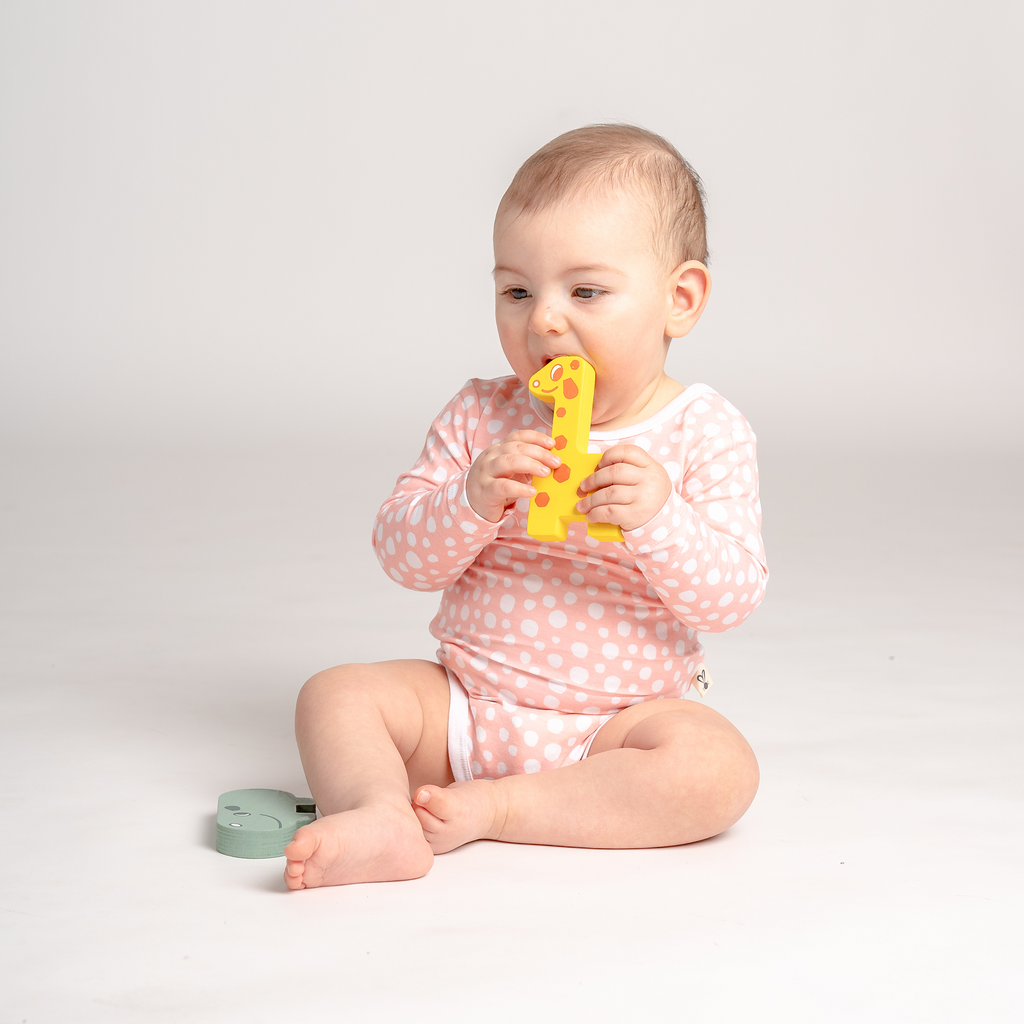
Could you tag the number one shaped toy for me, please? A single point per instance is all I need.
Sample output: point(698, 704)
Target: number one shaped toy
point(567, 383)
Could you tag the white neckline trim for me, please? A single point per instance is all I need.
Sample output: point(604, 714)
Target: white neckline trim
point(680, 402)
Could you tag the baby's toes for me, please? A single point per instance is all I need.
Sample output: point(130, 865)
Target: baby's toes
point(303, 843)
point(442, 817)
point(449, 817)
point(298, 852)
point(432, 808)
point(293, 872)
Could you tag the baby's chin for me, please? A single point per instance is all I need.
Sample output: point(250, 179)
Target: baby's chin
point(614, 416)
point(600, 417)
point(606, 406)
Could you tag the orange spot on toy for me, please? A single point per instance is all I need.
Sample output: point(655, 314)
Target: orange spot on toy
point(553, 507)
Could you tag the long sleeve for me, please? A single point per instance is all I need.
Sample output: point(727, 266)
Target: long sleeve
point(427, 534)
point(702, 553)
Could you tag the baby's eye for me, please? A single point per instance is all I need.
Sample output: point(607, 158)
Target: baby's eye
point(586, 293)
point(517, 293)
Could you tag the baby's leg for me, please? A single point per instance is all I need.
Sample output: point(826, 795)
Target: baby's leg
point(661, 773)
point(368, 736)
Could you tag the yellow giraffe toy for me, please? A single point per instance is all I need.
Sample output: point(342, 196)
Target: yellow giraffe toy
point(567, 383)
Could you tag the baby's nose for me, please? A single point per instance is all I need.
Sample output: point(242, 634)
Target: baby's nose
point(547, 319)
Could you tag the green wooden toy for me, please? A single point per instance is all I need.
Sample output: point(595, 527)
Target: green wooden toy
point(260, 823)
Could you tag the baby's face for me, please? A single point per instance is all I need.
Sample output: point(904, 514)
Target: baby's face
point(581, 279)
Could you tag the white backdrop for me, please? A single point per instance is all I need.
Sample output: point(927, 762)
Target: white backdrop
point(240, 222)
point(264, 230)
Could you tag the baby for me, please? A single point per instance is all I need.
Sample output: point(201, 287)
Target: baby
point(553, 714)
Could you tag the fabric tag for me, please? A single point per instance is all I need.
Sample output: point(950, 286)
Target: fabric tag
point(701, 681)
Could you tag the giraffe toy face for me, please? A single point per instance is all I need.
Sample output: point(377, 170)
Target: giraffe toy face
point(567, 383)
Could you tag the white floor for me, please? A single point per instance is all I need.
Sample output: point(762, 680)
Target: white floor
point(160, 614)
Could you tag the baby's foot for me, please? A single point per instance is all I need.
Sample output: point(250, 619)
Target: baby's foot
point(462, 812)
point(378, 843)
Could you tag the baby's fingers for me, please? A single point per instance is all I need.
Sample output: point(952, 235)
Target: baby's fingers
point(618, 514)
point(531, 437)
point(630, 454)
point(513, 463)
point(517, 448)
point(508, 489)
point(616, 473)
point(617, 494)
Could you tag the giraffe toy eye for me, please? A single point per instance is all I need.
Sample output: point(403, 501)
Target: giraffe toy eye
point(556, 371)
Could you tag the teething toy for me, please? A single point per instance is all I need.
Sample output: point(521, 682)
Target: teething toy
point(260, 823)
point(567, 383)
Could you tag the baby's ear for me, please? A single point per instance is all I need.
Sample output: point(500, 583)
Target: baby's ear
point(690, 285)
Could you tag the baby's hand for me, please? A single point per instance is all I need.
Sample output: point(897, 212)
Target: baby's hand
point(628, 488)
point(501, 474)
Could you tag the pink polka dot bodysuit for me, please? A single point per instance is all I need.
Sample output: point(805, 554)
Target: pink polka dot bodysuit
point(544, 641)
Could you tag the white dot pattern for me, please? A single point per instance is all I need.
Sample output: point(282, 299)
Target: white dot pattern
point(550, 639)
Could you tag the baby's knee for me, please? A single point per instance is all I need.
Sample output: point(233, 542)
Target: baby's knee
point(746, 778)
point(733, 783)
point(712, 766)
point(329, 686)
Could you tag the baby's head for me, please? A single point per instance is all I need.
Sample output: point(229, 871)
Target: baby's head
point(600, 251)
point(618, 160)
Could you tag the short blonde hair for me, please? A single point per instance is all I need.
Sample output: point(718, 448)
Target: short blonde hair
point(608, 157)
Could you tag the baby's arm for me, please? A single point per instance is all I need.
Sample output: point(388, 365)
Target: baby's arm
point(702, 554)
point(450, 505)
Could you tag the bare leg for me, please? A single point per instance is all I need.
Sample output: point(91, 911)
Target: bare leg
point(658, 774)
point(368, 735)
